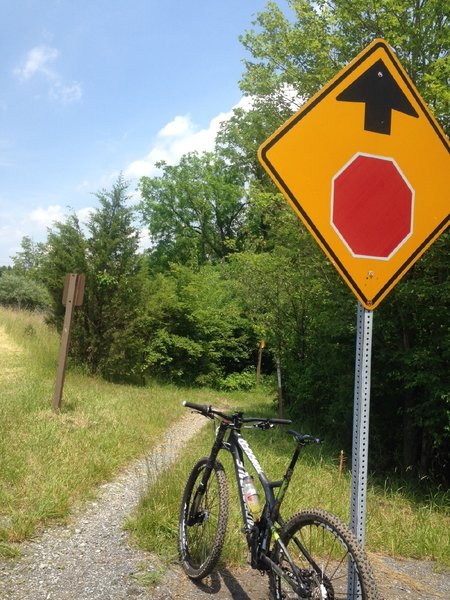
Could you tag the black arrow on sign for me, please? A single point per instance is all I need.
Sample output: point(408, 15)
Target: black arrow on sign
point(381, 94)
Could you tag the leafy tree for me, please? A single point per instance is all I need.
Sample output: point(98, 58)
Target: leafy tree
point(412, 355)
point(194, 328)
point(28, 260)
point(301, 50)
point(194, 210)
point(305, 48)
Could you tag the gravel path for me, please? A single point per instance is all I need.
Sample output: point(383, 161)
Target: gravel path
point(91, 558)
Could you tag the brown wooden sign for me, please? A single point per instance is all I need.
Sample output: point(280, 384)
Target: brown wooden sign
point(79, 289)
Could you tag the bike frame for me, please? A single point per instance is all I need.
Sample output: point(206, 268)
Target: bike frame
point(259, 534)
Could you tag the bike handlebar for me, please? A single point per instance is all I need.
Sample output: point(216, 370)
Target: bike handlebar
point(209, 411)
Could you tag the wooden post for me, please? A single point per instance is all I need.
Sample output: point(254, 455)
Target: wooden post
point(280, 389)
point(341, 463)
point(261, 346)
point(72, 296)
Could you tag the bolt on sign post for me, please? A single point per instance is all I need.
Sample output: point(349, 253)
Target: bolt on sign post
point(73, 294)
point(365, 166)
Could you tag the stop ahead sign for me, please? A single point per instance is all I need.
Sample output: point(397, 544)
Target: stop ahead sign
point(372, 207)
point(366, 167)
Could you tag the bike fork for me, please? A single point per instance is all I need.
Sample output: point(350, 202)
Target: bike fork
point(194, 512)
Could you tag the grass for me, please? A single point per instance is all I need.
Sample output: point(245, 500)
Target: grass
point(398, 522)
point(50, 462)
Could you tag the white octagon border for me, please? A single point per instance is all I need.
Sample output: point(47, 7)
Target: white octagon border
point(404, 240)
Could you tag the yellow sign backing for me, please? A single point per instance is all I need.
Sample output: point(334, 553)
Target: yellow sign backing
point(366, 167)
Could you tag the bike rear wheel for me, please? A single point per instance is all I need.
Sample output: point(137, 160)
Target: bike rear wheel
point(325, 554)
point(203, 520)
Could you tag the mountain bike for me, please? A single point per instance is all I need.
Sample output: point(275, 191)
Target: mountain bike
point(312, 555)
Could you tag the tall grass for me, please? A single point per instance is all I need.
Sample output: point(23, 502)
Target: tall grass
point(398, 522)
point(50, 462)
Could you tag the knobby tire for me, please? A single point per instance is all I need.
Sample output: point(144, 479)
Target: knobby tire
point(325, 573)
point(201, 537)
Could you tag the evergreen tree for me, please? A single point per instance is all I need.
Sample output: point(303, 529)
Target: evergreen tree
point(113, 283)
point(65, 252)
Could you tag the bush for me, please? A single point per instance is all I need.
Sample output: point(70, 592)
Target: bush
point(239, 381)
point(21, 291)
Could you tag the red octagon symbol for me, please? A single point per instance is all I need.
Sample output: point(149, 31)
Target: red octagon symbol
point(372, 206)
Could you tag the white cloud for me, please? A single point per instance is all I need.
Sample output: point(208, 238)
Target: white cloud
point(37, 62)
point(33, 224)
point(16, 224)
point(84, 214)
point(178, 127)
point(66, 93)
point(178, 137)
point(45, 217)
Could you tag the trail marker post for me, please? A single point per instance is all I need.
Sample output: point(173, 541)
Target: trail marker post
point(73, 294)
point(365, 166)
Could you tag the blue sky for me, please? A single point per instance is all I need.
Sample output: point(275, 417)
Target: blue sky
point(90, 88)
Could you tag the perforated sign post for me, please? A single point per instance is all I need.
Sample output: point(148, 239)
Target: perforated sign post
point(365, 166)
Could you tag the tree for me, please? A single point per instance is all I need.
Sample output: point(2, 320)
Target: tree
point(194, 210)
point(108, 256)
point(301, 51)
point(305, 49)
point(65, 252)
point(28, 260)
point(194, 328)
point(113, 282)
point(412, 352)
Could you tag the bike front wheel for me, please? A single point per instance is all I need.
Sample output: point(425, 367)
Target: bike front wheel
point(326, 561)
point(203, 520)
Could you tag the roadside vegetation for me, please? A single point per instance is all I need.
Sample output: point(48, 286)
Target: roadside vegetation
point(231, 269)
point(50, 462)
point(402, 521)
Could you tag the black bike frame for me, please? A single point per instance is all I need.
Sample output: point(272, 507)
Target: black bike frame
point(258, 534)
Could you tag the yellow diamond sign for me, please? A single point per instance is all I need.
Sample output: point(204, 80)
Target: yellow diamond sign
point(366, 167)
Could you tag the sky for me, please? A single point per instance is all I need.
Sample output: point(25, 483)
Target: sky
point(93, 88)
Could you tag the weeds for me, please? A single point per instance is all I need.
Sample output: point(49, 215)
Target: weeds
point(49, 462)
point(397, 523)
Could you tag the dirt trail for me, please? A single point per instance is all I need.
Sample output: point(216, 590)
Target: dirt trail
point(91, 558)
point(10, 354)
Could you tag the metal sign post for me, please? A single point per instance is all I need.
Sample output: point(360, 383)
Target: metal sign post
point(361, 412)
point(364, 164)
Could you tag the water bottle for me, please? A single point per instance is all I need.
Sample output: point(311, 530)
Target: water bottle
point(251, 495)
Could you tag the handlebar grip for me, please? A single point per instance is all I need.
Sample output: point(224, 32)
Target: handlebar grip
point(203, 408)
point(281, 421)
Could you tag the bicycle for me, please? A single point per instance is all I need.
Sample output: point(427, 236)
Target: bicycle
point(312, 555)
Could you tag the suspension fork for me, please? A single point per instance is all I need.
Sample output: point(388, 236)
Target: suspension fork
point(199, 493)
